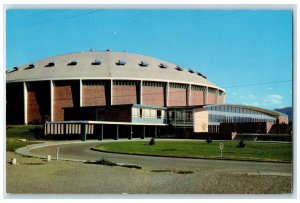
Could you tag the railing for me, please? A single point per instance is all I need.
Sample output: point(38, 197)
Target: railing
point(59, 128)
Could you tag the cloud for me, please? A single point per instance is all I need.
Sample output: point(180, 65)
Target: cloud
point(268, 101)
point(255, 103)
point(251, 96)
point(272, 99)
point(233, 93)
point(270, 88)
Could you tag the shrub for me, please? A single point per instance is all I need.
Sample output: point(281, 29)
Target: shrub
point(241, 144)
point(105, 162)
point(209, 140)
point(152, 142)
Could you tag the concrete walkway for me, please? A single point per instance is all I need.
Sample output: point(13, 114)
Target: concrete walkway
point(80, 151)
point(26, 151)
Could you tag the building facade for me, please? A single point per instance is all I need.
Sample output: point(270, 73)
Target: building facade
point(122, 89)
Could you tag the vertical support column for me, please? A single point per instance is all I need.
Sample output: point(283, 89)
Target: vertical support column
point(64, 128)
point(155, 131)
point(131, 132)
point(80, 93)
point(217, 96)
point(51, 100)
point(224, 97)
point(25, 102)
point(117, 133)
point(189, 95)
point(141, 92)
point(83, 131)
point(144, 132)
point(101, 133)
point(111, 91)
point(206, 95)
point(167, 94)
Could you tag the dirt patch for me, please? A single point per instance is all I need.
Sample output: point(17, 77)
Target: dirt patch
point(66, 177)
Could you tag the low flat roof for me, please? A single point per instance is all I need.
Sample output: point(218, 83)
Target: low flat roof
point(104, 122)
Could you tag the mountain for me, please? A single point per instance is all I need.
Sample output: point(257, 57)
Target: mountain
point(287, 110)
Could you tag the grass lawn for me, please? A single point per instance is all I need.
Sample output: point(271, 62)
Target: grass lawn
point(13, 144)
point(13, 133)
point(200, 149)
point(29, 132)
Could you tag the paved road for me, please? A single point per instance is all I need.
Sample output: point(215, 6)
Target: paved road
point(82, 151)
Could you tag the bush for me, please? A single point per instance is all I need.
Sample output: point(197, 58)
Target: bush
point(105, 162)
point(152, 142)
point(241, 144)
point(209, 140)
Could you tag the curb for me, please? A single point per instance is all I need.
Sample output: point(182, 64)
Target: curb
point(25, 151)
point(189, 157)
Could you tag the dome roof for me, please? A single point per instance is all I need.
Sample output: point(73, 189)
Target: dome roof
point(106, 65)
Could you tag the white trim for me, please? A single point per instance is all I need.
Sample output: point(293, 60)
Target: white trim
point(107, 122)
point(111, 92)
point(80, 92)
point(25, 102)
point(189, 95)
point(52, 100)
point(217, 97)
point(167, 94)
point(120, 78)
point(206, 96)
point(141, 92)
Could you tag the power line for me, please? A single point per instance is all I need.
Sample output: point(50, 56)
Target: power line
point(261, 83)
point(65, 16)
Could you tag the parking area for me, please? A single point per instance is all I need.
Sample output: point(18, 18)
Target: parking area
point(159, 175)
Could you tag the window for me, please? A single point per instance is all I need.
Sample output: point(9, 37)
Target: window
point(147, 113)
point(135, 112)
point(179, 68)
point(153, 113)
point(162, 65)
point(198, 73)
point(158, 114)
point(30, 66)
point(173, 115)
point(144, 64)
point(121, 62)
point(97, 62)
point(50, 64)
point(72, 63)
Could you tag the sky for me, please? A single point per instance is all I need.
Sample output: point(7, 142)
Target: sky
point(246, 52)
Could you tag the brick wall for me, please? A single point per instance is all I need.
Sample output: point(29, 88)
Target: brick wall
point(177, 97)
point(197, 97)
point(66, 94)
point(14, 103)
point(93, 95)
point(125, 94)
point(283, 120)
point(153, 96)
point(212, 98)
point(221, 99)
point(38, 101)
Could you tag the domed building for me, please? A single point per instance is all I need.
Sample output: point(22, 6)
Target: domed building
point(103, 78)
point(106, 86)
